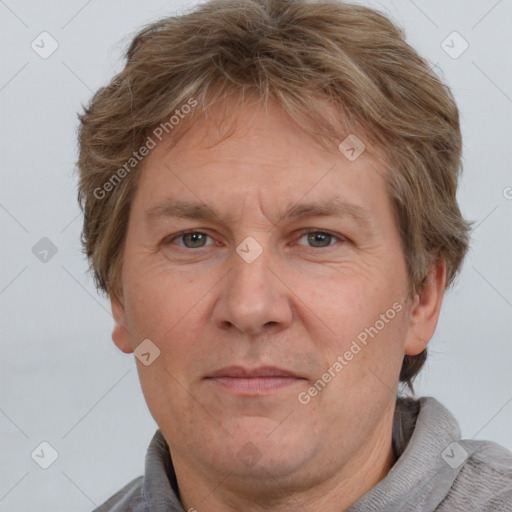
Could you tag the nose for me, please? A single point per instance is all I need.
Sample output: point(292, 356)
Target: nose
point(254, 299)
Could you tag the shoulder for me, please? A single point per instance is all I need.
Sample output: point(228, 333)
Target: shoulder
point(484, 481)
point(127, 499)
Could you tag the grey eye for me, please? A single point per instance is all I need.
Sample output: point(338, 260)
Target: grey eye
point(319, 239)
point(194, 240)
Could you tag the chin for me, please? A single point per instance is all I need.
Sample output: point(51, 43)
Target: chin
point(260, 446)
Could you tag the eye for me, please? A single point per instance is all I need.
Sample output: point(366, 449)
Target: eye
point(190, 240)
point(319, 239)
point(196, 239)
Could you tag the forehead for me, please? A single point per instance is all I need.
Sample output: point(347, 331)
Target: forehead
point(252, 119)
point(265, 155)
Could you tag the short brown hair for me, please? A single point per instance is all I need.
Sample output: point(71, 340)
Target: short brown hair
point(304, 55)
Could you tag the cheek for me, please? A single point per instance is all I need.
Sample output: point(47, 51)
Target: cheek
point(364, 322)
point(344, 305)
point(165, 308)
point(159, 299)
point(171, 310)
point(371, 358)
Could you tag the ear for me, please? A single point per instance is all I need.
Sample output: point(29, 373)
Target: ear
point(120, 333)
point(424, 312)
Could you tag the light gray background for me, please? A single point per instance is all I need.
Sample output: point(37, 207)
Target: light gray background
point(62, 379)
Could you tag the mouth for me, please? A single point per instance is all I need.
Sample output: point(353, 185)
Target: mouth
point(255, 381)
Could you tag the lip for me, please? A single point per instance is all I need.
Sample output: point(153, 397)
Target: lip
point(248, 373)
point(253, 381)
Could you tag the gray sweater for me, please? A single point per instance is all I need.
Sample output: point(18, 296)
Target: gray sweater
point(435, 471)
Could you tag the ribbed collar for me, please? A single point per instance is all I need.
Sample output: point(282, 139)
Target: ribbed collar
point(420, 478)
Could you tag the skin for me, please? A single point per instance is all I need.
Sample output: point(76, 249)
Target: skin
point(298, 306)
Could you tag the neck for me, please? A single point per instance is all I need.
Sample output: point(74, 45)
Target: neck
point(298, 491)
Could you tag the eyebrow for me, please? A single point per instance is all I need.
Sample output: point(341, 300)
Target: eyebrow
point(201, 211)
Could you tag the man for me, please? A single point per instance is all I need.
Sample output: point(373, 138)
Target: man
point(269, 190)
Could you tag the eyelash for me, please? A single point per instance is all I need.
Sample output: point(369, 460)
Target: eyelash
point(303, 233)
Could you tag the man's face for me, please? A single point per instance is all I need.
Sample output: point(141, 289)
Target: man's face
point(281, 327)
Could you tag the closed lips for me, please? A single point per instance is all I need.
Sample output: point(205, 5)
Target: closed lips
point(261, 372)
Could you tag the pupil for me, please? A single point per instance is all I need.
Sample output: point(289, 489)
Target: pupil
point(319, 239)
point(195, 239)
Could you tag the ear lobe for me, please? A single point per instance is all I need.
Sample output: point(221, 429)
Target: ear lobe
point(120, 333)
point(425, 309)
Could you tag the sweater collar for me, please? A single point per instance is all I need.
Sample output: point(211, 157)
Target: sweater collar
point(420, 478)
